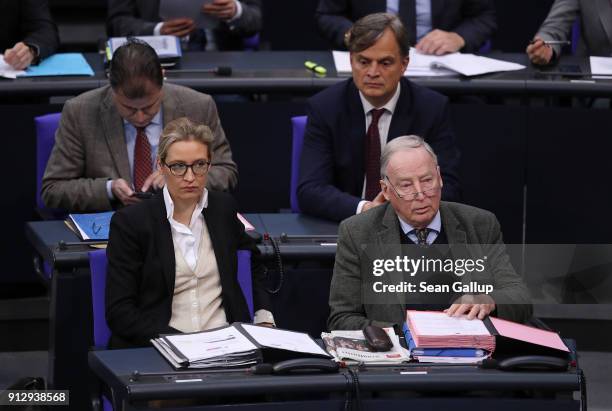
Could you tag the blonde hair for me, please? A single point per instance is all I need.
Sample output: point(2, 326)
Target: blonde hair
point(183, 129)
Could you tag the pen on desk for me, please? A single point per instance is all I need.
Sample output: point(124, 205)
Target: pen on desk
point(317, 69)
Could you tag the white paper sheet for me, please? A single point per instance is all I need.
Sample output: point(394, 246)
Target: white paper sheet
point(225, 341)
point(165, 46)
point(173, 9)
point(423, 65)
point(601, 66)
point(8, 71)
point(287, 340)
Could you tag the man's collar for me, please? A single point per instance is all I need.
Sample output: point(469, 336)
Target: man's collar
point(390, 106)
point(436, 224)
point(157, 120)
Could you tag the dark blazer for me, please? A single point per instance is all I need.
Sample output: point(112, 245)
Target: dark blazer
point(28, 21)
point(141, 268)
point(474, 20)
point(332, 164)
point(139, 17)
point(375, 234)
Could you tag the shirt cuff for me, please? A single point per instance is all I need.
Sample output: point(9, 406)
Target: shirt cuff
point(263, 316)
point(360, 206)
point(238, 12)
point(109, 190)
point(157, 29)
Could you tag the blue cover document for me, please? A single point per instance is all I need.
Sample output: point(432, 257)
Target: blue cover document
point(62, 64)
point(94, 226)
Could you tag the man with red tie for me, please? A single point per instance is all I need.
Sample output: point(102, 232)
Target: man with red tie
point(350, 122)
point(106, 143)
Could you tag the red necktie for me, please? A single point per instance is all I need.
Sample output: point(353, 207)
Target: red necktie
point(372, 156)
point(142, 158)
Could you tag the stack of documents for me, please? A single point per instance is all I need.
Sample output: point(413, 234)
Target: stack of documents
point(352, 347)
point(237, 345)
point(423, 65)
point(431, 329)
point(444, 355)
point(93, 226)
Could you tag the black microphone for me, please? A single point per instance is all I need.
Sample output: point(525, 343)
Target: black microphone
point(224, 71)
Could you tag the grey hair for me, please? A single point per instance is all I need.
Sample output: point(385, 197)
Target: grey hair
point(183, 129)
point(367, 30)
point(403, 143)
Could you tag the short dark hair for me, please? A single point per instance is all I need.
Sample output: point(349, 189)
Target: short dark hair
point(367, 30)
point(132, 63)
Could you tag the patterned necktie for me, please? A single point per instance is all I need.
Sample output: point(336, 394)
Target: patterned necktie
point(372, 156)
point(421, 235)
point(142, 158)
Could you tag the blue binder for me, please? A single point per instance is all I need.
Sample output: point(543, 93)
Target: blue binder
point(439, 352)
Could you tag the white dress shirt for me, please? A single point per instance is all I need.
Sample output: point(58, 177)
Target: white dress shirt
point(188, 241)
point(383, 127)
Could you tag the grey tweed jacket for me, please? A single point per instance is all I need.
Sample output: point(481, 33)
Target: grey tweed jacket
point(90, 147)
point(376, 234)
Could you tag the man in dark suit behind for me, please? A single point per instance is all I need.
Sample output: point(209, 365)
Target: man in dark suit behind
point(415, 221)
point(28, 32)
point(238, 20)
point(349, 122)
point(434, 26)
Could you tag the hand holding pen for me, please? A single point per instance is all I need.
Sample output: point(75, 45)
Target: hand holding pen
point(540, 52)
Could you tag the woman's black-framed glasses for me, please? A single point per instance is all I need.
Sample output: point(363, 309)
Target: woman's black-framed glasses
point(198, 168)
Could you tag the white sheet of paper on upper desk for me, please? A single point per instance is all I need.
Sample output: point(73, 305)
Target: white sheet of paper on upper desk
point(423, 65)
point(8, 71)
point(173, 9)
point(601, 67)
point(286, 340)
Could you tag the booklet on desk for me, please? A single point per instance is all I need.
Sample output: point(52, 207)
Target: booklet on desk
point(238, 345)
point(352, 347)
point(93, 226)
point(436, 329)
point(168, 48)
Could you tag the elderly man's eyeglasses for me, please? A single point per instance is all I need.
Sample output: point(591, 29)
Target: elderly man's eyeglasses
point(428, 188)
point(199, 168)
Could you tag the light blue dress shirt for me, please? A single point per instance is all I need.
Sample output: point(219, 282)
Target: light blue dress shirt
point(153, 130)
point(435, 227)
point(423, 15)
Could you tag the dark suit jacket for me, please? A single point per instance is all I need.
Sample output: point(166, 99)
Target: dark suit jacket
point(28, 21)
point(332, 163)
point(375, 234)
point(474, 20)
point(141, 268)
point(139, 17)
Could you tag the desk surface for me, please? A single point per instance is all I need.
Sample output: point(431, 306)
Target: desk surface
point(283, 71)
point(304, 238)
point(115, 368)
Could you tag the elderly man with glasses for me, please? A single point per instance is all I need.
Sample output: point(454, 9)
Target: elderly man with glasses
point(104, 153)
point(414, 217)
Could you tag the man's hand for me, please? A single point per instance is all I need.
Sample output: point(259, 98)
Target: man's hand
point(473, 305)
point(123, 192)
point(378, 200)
point(177, 27)
point(155, 180)
point(19, 57)
point(440, 42)
point(221, 9)
point(539, 53)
